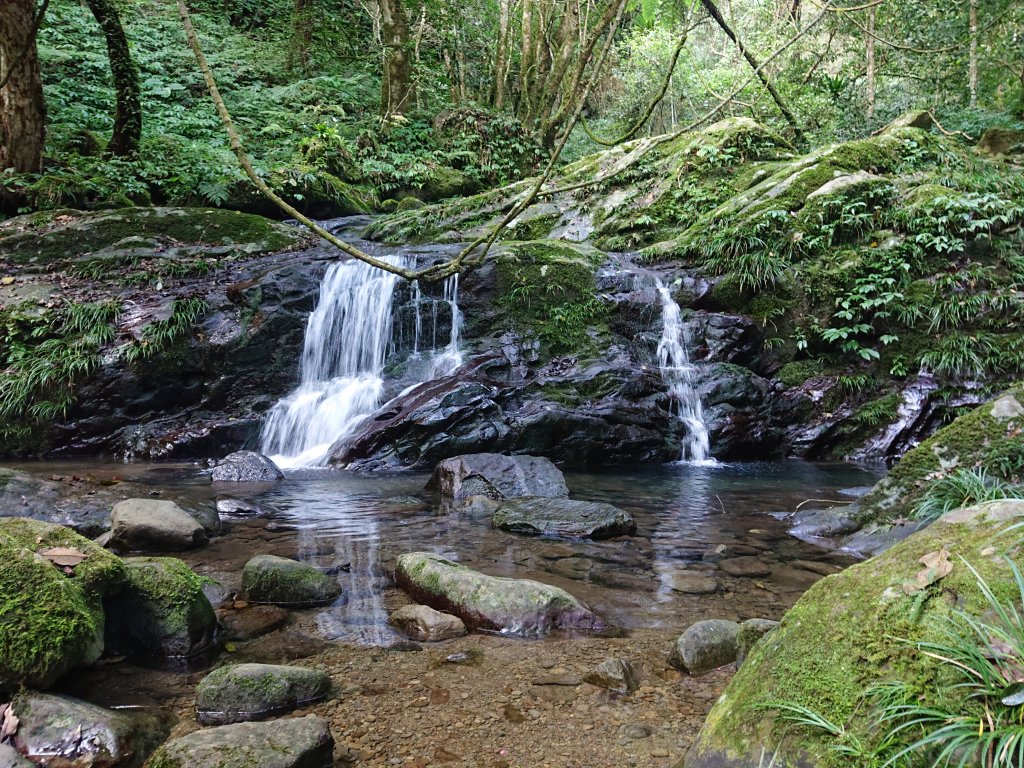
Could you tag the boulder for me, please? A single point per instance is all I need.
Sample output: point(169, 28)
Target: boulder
point(77, 732)
point(751, 631)
point(617, 675)
point(303, 742)
point(247, 467)
point(497, 477)
point(243, 692)
point(161, 613)
point(423, 623)
point(151, 524)
point(1002, 141)
point(705, 646)
point(289, 583)
point(563, 517)
point(512, 606)
point(849, 633)
point(51, 617)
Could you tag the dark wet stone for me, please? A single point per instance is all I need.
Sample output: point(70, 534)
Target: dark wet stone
point(497, 477)
point(705, 646)
point(243, 692)
point(232, 507)
point(745, 566)
point(563, 517)
point(253, 621)
point(288, 645)
point(246, 467)
point(616, 675)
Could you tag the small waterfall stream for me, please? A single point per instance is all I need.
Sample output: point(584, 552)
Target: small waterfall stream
point(678, 372)
point(347, 343)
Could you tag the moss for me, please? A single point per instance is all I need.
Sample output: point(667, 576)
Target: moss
point(964, 443)
point(849, 632)
point(58, 237)
point(797, 372)
point(48, 622)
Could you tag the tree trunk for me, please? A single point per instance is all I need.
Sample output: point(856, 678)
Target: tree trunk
point(870, 76)
point(22, 109)
point(712, 9)
point(974, 55)
point(302, 35)
point(498, 89)
point(128, 112)
point(397, 90)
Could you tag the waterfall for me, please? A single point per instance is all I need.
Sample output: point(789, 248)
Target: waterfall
point(678, 372)
point(348, 338)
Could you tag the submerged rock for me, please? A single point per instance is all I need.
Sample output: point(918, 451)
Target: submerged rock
point(288, 583)
point(513, 606)
point(694, 583)
point(423, 623)
point(51, 617)
point(705, 646)
point(497, 477)
point(243, 692)
point(151, 524)
point(849, 633)
point(161, 613)
point(563, 517)
point(252, 621)
point(303, 742)
point(52, 728)
point(247, 467)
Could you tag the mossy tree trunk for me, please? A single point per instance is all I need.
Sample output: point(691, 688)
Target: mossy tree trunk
point(128, 111)
point(397, 88)
point(22, 108)
point(302, 35)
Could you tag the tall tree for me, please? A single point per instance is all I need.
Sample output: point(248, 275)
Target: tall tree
point(397, 88)
point(870, 64)
point(22, 109)
point(128, 112)
point(302, 35)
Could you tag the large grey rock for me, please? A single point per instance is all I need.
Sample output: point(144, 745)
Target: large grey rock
point(303, 742)
point(152, 524)
point(78, 732)
point(513, 606)
point(280, 581)
point(563, 517)
point(497, 477)
point(161, 613)
point(705, 646)
point(243, 692)
point(247, 467)
point(421, 622)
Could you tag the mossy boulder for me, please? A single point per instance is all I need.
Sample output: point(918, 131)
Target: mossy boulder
point(51, 617)
point(302, 742)
point(990, 437)
point(244, 692)
point(511, 606)
point(161, 613)
point(288, 583)
point(854, 630)
point(1002, 141)
point(50, 238)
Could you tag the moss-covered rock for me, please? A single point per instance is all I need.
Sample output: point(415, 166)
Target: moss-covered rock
point(161, 613)
point(990, 437)
point(854, 630)
point(280, 581)
point(244, 692)
point(51, 617)
point(53, 237)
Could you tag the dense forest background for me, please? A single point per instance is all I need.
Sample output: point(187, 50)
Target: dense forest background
point(346, 103)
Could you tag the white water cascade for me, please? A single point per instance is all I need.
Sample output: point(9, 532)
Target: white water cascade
point(678, 372)
point(348, 337)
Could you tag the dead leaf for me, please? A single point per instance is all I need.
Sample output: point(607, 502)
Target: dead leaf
point(936, 566)
point(66, 557)
point(8, 723)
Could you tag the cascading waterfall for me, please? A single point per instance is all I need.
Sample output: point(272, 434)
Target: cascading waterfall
point(348, 337)
point(678, 372)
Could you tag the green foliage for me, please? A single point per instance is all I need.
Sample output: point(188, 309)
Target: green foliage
point(963, 488)
point(160, 335)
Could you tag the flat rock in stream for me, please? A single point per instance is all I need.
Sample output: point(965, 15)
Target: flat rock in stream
point(303, 742)
point(247, 467)
point(512, 606)
point(497, 477)
point(154, 525)
point(563, 517)
point(243, 692)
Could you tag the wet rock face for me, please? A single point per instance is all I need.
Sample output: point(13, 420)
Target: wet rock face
point(246, 467)
point(246, 692)
point(514, 606)
point(563, 517)
point(497, 477)
point(303, 742)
